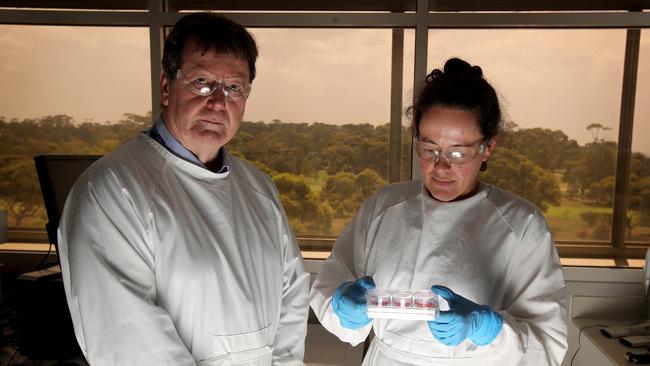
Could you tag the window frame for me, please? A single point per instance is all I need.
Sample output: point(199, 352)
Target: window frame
point(156, 18)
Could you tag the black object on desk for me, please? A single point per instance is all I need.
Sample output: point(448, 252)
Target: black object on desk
point(635, 341)
point(44, 326)
point(638, 358)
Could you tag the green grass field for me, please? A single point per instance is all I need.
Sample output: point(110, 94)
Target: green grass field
point(565, 221)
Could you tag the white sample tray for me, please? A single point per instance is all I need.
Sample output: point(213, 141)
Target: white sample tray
point(402, 304)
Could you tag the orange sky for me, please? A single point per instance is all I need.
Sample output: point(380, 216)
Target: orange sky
point(559, 79)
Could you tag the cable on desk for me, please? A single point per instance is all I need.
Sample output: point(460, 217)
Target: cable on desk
point(12, 357)
point(580, 343)
point(42, 264)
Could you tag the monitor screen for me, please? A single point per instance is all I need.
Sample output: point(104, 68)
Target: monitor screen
point(57, 174)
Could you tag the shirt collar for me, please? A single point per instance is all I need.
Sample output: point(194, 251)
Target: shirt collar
point(161, 134)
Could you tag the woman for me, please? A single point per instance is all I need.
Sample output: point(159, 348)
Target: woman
point(487, 252)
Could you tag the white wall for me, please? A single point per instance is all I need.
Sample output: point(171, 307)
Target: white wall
point(601, 294)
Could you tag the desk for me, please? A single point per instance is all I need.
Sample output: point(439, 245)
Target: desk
point(596, 349)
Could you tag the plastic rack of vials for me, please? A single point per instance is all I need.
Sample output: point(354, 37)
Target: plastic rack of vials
point(402, 304)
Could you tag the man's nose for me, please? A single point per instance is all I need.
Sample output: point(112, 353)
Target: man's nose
point(217, 100)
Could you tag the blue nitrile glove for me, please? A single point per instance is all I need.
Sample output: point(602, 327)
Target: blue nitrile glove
point(349, 302)
point(465, 319)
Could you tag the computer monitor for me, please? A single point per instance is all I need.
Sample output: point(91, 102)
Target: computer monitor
point(56, 175)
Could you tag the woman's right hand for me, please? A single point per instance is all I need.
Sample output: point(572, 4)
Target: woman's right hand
point(349, 302)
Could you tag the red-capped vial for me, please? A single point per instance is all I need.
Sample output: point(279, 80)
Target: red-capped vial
point(379, 298)
point(402, 299)
point(424, 299)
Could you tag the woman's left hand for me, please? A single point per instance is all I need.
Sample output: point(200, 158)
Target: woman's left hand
point(464, 319)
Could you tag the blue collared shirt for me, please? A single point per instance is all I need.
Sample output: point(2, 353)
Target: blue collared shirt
point(160, 133)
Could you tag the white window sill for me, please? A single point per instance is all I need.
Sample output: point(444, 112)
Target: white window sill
point(322, 255)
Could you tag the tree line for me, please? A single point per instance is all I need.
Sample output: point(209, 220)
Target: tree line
point(324, 172)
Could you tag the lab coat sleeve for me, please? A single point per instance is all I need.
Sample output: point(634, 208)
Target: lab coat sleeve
point(535, 310)
point(289, 347)
point(346, 263)
point(107, 265)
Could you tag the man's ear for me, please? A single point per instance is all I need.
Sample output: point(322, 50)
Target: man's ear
point(164, 89)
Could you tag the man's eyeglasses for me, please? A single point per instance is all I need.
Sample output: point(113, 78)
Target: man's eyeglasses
point(204, 84)
point(455, 155)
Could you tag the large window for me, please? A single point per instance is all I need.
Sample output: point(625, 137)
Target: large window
point(65, 89)
point(560, 91)
point(325, 117)
point(319, 119)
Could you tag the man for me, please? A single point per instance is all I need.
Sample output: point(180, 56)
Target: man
point(174, 252)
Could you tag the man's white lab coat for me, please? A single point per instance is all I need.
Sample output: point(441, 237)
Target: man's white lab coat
point(167, 263)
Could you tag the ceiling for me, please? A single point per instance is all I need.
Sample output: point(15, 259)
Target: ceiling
point(342, 5)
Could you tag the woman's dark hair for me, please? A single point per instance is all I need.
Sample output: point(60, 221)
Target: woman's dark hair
point(460, 86)
point(210, 32)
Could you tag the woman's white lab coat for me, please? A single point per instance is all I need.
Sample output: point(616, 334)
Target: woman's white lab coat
point(167, 263)
point(493, 248)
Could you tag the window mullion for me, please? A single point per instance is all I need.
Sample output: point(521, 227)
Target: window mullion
point(420, 68)
point(626, 128)
point(397, 75)
point(156, 39)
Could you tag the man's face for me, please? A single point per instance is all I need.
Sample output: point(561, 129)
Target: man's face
point(203, 123)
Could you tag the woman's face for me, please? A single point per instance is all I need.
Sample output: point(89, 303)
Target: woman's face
point(453, 132)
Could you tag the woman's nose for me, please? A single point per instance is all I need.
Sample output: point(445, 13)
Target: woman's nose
point(442, 163)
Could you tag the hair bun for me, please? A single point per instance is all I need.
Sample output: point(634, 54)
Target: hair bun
point(435, 74)
point(458, 66)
